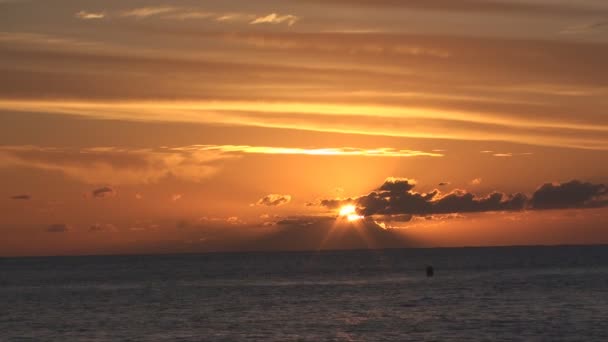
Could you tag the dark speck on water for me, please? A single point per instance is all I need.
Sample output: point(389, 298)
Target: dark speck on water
point(483, 294)
point(430, 271)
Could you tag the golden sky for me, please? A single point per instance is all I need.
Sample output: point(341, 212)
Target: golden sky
point(138, 126)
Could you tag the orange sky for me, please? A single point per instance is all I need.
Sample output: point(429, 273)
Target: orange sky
point(191, 126)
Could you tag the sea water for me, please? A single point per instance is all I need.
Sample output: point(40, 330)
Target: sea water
point(479, 294)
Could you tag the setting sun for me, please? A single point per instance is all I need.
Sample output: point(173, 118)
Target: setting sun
point(350, 213)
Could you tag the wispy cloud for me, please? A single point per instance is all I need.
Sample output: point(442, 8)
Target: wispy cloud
point(190, 15)
point(331, 151)
point(586, 28)
point(102, 227)
point(184, 13)
point(111, 165)
point(380, 120)
point(234, 17)
point(144, 12)
point(115, 166)
point(524, 7)
point(58, 228)
point(275, 18)
point(510, 154)
point(85, 15)
point(476, 181)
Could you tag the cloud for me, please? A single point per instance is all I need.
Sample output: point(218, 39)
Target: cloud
point(274, 200)
point(145, 12)
point(58, 228)
point(587, 28)
point(275, 18)
point(102, 227)
point(335, 43)
point(115, 165)
point(119, 166)
point(511, 90)
point(103, 192)
point(574, 194)
point(397, 197)
point(507, 154)
point(21, 197)
point(444, 184)
point(176, 197)
point(396, 185)
point(499, 6)
point(234, 17)
point(329, 151)
point(476, 181)
point(233, 220)
point(85, 15)
point(187, 15)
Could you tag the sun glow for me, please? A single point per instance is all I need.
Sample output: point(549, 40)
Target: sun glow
point(350, 213)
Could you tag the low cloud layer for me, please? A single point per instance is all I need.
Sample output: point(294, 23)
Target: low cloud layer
point(574, 194)
point(397, 197)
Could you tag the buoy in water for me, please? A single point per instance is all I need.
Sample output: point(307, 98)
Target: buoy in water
point(430, 271)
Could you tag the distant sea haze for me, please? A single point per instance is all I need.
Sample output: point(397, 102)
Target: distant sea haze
point(498, 294)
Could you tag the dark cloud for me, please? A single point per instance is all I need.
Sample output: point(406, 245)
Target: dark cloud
point(574, 194)
point(103, 192)
point(396, 197)
point(21, 197)
point(444, 184)
point(274, 200)
point(397, 185)
point(58, 228)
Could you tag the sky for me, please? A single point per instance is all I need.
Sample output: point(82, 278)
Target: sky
point(138, 126)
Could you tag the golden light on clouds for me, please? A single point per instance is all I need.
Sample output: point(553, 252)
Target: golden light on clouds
point(349, 212)
point(336, 118)
point(245, 109)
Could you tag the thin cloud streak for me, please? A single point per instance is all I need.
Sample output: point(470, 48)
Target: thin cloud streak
point(115, 166)
point(85, 15)
point(335, 118)
point(493, 6)
point(340, 151)
point(182, 13)
point(144, 166)
point(144, 12)
point(275, 18)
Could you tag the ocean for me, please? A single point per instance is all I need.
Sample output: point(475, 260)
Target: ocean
point(477, 294)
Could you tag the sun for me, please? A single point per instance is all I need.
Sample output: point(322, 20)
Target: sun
point(350, 213)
